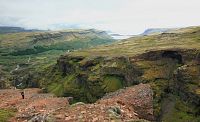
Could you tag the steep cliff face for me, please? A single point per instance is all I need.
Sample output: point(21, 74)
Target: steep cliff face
point(187, 82)
point(174, 77)
point(88, 79)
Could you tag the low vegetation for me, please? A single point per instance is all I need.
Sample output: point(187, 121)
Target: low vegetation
point(5, 114)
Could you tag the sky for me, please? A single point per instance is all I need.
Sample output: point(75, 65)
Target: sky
point(117, 16)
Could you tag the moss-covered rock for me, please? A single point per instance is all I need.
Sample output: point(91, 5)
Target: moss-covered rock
point(172, 72)
point(88, 79)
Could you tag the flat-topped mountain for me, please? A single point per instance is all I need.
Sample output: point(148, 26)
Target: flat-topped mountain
point(9, 29)
point(151, 31)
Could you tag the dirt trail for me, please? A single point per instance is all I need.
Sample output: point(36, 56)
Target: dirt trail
point(34, 104)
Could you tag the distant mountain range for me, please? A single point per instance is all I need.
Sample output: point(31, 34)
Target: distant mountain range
point(8, 29)
point(156, 31)
point(150, 31)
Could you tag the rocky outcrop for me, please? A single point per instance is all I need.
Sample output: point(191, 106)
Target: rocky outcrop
point(172, 71)
point(65, 64)
point(181, 55)
point(186, 83)
point(130, 104)
point(95, 76)
point(46, 36)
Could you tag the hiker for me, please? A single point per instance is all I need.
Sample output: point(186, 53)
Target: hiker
point(70, 100)
point(22, 93)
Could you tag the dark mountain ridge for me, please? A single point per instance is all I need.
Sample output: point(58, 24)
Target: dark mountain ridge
point(10, 29)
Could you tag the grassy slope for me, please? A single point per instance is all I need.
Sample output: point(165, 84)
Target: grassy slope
point(43, 48)
point(183, 38)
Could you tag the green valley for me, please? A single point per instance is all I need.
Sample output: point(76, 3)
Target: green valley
point(24, 54)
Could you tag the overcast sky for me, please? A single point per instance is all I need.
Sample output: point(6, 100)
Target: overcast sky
point(119, 16)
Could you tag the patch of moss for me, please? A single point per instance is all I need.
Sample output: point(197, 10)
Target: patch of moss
point(56, 88)
point(6, 114)
point(93, 77)
point(159, 69)
point(112, 83)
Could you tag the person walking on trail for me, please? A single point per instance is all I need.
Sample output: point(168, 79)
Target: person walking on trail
point(22, 93)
